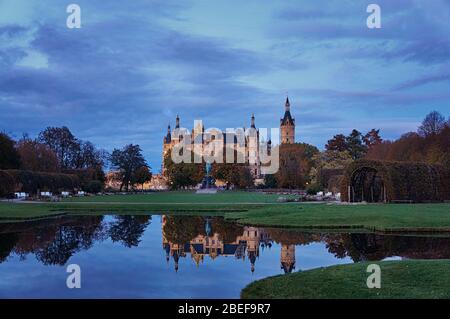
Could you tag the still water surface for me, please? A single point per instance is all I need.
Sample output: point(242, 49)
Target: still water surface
point(176, 256)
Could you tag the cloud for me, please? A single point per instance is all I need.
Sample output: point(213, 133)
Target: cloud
point(126, 73)
point(423, 80)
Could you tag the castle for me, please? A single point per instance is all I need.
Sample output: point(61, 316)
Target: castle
point(249, 146)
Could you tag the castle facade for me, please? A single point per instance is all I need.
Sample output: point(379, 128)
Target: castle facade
point(245, 145)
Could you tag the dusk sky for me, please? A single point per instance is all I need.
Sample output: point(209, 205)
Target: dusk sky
point(134, 65)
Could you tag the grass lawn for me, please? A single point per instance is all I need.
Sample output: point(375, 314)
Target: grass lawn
point(228, 197)
point(399, 279)
point(249, 208)
point(373, 217)
point(154, 203)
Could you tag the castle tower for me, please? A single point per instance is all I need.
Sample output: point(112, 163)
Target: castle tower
point(167, 144)
point(287, 258)
point(253, 148)
point(287, 125)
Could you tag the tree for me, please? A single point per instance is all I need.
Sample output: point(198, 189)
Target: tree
point(337, 143)
point(183, 174)
point(296, 161)
point(372, 138)
point(94, 187)
point(128, 229)
point(355, 145)
point(270, 181)
point(127, 161)
point(62, 142)
point(87, 156)
point(142, 175)
point(433, 123)
point(240, 176)
point(9, 157)
point(333, 159)
point(36, 156)
point(411, 147)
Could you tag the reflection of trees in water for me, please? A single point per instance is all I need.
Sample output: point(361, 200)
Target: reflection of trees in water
point(292, 237)
point(360, 247)
point(128, 229)
point(69, 239)
point(54, 241)
point(228, 231)
point(182, 229)
point(7, 243)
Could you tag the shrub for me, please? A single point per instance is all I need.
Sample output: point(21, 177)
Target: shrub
point(93, 187)
point(32, 182)
point(313, 189)
point(86, 175)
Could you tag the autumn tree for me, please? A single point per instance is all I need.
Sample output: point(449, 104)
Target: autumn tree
point(36, 156)
point(372, 138)
point(236, 174)
point(337, 143)
point(431, 145)
point(296, 161)
point(433, 123)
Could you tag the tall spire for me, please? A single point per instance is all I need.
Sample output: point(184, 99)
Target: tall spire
point(287, 105)
point(253, 121)
point(168, 137)
point(178, 122)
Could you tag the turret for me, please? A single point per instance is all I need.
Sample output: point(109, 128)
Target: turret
point(287, 125)
point(168, 137)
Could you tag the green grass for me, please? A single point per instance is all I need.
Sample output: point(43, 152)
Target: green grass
point(399, 279)
point(228, 197)
point(373, 217)
point(249, 208)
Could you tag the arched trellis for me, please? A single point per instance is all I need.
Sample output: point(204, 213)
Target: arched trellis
point(380, 181)
point(367, 184)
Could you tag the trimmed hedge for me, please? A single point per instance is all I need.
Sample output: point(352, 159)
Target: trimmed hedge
point(403, 181)
point(32, 182)
point(6, 184)
point(86, 175)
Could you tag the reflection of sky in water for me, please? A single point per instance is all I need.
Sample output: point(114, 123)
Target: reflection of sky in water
point(111, 270)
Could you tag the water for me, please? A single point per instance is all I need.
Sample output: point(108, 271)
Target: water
point(176, 257)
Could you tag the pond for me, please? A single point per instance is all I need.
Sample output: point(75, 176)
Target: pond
point(164, 256)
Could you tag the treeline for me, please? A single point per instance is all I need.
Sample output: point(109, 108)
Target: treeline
point(430, 144)
point(56, 160)
point(55, 150)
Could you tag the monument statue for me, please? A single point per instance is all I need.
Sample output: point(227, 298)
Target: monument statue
point(207, 186)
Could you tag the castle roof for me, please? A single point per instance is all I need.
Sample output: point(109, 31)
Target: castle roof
point(168, 137)
point(287, 118)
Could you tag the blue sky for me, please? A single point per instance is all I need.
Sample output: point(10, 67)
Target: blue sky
point(135, 65)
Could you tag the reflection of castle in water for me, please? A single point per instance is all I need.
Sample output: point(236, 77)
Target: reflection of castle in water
point(211, 244)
